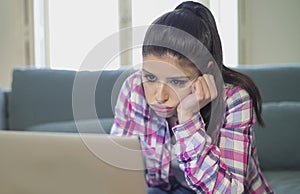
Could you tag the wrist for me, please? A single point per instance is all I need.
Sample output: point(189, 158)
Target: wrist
point(185, 116)
point(189, 127)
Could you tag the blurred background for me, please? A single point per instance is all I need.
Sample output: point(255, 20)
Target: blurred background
point(59, 34)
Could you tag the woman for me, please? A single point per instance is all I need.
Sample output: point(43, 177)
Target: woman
point(194, 116)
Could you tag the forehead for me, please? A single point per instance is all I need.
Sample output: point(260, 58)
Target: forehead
point(168, 65)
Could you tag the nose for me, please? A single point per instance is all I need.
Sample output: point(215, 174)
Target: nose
point(161, 94)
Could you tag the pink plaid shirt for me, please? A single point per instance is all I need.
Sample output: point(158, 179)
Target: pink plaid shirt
point(228, 166)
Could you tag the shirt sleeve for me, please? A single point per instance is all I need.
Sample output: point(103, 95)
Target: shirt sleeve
point(128, 121)
point(122, 112)
point(220, 168)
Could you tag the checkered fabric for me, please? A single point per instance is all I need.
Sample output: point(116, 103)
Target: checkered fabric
point(227, 165)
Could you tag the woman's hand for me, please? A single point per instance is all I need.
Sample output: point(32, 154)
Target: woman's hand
point(203, 91)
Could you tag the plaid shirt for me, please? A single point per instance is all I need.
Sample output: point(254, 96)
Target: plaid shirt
point(229, 165)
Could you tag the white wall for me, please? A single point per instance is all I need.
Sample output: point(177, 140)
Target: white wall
point(16, 43)
point(225, 14)
point(269, 31)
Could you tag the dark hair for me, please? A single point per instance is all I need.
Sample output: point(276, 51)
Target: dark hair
point(197, 21)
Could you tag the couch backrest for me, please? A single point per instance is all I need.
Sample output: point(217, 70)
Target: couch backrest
point(277, 143)
point(276, 82)
point(45, 95)
point(2, 110)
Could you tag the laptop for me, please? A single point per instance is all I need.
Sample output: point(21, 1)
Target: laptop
point(65, 163)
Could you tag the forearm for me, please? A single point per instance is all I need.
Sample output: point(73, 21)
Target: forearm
point(200, 160)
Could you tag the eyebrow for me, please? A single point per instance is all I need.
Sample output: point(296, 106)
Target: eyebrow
point(169, 78)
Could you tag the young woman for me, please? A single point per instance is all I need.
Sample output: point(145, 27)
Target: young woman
point(194, 116)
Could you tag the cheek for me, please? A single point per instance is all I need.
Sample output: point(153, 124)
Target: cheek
point(174, 96)
point(149, 90)
point(177, 95)
point(180, 94)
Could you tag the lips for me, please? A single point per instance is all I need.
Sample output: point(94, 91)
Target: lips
point(160, 108)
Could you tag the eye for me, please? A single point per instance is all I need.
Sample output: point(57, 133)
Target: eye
point(150, 78)
point(178, 83)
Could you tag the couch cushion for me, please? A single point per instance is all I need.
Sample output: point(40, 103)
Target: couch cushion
point(278, 142)
point(40, 96)
point(276, 82)
point(81, 126)
point(284, 181)
point(43, 95)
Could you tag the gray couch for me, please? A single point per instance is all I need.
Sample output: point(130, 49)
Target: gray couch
point(278, 142)
point(41, 100)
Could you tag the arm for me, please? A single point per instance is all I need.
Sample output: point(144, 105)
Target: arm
point(130, 111)
point(124, 122)
point(123, 106)
point(130, 120)
point(217, 168)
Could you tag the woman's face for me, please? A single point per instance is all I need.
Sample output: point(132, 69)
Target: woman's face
point(167, 81)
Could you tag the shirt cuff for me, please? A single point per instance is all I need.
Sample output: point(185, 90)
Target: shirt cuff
point(190, 127)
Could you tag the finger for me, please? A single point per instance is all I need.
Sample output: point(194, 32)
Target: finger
point(198, 89)
point(205, 86)
point(210, 63)
point(202, 89)
point(211, 85)
point(209, 67)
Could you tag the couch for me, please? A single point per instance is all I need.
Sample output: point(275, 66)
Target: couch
point(43, 100)
point(47, 100)
point(277, 142)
